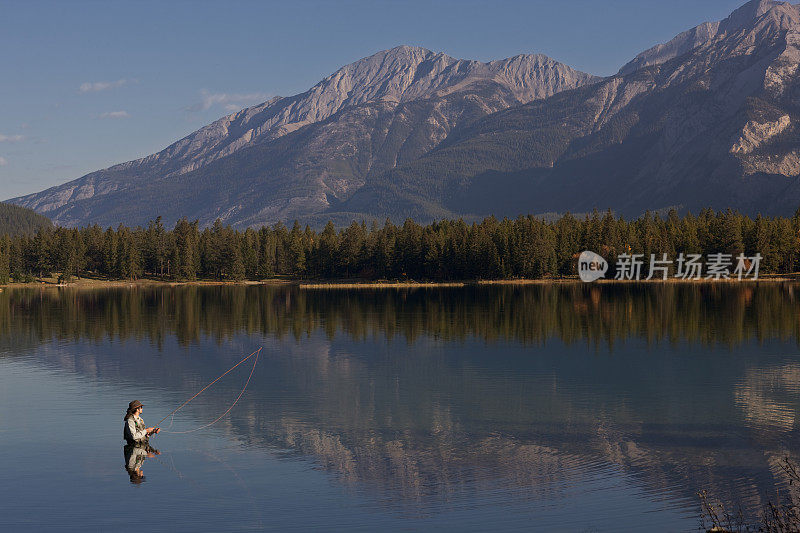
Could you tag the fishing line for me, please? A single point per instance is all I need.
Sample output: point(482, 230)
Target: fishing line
point(207, 386)
point(255, 362)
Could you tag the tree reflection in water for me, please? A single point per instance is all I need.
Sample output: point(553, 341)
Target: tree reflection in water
point(725, 313)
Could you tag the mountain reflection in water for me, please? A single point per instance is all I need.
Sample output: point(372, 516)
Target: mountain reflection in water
point(429, 394)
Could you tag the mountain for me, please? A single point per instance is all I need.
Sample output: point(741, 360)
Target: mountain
point(708, 119)
point(713, 126)
point(15, 220)
point(306, 154)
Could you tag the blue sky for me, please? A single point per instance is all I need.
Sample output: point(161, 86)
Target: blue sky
point(89, 84)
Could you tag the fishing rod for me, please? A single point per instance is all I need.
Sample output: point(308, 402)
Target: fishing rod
point(256, 353)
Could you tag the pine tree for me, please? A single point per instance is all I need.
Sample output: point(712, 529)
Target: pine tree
point(5, 260)
point(249, 251)
point(130, 254)
point(567, 242)
point(297, 252)
point(186, 251)
point(155, 248)
point(266, 259)
point(282, 256)
point(237, 270)
point(110, 254)
point(42, 252)
point(327, 251)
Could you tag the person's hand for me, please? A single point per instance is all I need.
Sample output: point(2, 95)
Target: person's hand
point(157, 430)
point(149, 430)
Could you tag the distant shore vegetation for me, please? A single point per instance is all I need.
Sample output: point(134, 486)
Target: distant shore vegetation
point(527, 247)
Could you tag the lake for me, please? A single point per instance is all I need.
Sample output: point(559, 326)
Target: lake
point(564, 407)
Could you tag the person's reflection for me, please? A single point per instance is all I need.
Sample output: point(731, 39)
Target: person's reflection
point(135, 456)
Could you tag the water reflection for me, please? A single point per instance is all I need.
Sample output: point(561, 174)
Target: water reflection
point(135, 456)
point(598, 314)
point(430, 396)
point(757, 395)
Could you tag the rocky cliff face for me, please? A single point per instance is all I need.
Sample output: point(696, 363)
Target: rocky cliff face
point(375, 92)
point(714, 126)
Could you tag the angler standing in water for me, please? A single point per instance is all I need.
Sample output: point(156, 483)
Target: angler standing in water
point(136, 436)
point(135, 431)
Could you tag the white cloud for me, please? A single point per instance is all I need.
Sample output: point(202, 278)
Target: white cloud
point(11, 138)
point(3, 162)
point(114, 114)
point(97, 86)
point(230, 102)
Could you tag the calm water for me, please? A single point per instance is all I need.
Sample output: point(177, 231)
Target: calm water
point(545, 408)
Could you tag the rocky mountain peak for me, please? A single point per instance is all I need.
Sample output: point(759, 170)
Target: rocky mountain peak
point(400, 74)
point(518, 71)
point(749, 13)
point(756, 12)
point(406, 73)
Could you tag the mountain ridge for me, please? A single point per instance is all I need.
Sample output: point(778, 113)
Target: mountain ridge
point(707, 119)
point(386, 79)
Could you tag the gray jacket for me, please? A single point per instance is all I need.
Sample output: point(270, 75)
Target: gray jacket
point(135, 431)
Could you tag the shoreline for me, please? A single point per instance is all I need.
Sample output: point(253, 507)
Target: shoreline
point(91, 283)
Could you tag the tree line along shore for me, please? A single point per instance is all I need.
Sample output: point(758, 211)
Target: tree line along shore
point(527, 247)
